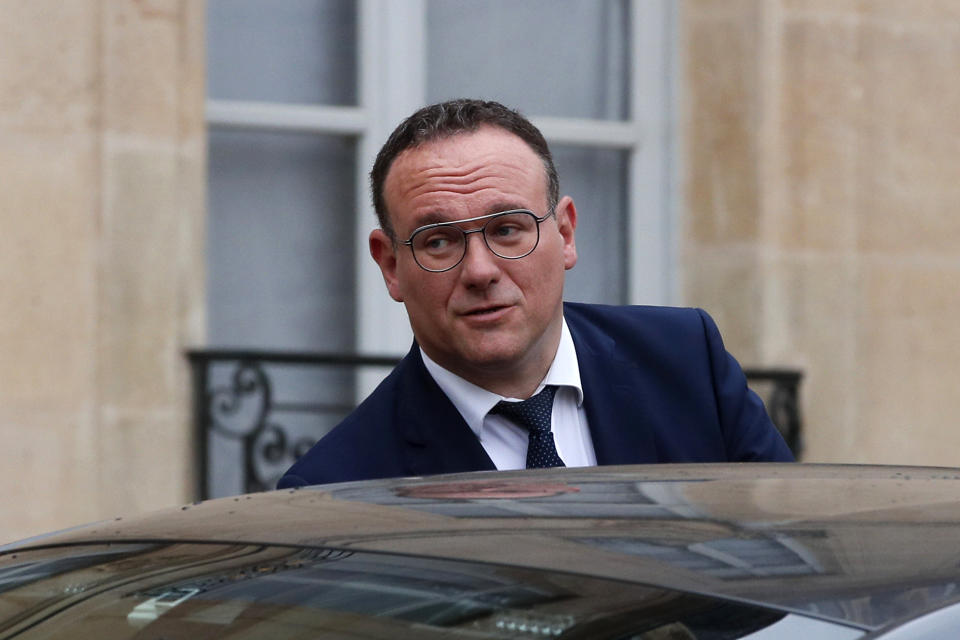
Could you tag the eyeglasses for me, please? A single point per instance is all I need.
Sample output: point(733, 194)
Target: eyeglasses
point(509, 234)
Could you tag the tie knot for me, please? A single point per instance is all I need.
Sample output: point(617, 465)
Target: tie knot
point(533, 414)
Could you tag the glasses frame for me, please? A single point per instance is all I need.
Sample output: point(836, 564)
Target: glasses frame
point(481, 229)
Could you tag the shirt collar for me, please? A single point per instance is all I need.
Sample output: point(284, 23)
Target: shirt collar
point(475, 402)
point(565, 370)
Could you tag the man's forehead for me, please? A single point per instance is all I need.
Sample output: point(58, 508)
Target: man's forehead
point(482, 145)
point(490, 160)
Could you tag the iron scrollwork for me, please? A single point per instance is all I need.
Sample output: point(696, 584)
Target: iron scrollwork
point(238, 406)
point(782, 402)
point(242, 411)
point(784, 409)
point(243, 407)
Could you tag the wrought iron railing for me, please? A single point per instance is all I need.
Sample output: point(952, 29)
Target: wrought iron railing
point(780, 390)
point(255, 412)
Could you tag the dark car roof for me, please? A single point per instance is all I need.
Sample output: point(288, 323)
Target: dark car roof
point(865, 545)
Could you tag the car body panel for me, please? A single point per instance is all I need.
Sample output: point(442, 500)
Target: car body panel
point(868, 546)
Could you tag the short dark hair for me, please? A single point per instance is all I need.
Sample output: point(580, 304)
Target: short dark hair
point(445, 119)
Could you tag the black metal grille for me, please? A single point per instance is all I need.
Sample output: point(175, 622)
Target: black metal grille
point(256, 412)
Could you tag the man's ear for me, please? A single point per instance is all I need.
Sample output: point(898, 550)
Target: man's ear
point(385, 255)
point(567, 223)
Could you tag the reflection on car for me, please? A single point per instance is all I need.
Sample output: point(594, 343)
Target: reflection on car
point(720, 551)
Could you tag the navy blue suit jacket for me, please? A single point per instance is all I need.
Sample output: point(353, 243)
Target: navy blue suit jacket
point(658, 386)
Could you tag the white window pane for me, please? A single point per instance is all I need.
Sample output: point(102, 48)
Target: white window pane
point(566, 58)
point(596, 179)
point(281, 241)
point(300, 51)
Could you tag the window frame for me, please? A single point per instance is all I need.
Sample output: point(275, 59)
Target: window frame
point(392, 84)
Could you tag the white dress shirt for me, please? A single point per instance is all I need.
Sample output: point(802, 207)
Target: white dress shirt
point(505, 442)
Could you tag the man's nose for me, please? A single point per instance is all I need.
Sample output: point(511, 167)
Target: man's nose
point(480, 267)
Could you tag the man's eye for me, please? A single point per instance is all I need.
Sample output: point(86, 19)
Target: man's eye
point(505, 230)
point(436, 242)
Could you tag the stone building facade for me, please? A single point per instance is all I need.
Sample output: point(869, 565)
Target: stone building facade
point(822, 149)
point(102, 138)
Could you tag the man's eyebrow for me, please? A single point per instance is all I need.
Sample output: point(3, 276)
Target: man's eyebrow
point(432, 217)
point(503, 205)
point(435, 217)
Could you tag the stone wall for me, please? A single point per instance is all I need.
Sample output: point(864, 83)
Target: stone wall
point(822, 151)
point(101, 255)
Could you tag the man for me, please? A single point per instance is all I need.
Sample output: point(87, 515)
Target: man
point(474, 240)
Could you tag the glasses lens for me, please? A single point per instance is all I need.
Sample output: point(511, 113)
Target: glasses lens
point(512, 235)
point(438, 248)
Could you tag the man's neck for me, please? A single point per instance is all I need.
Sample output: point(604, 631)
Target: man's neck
point(508, 383)
point(513, 379)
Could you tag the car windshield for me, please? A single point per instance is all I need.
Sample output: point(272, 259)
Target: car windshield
point(194, 590)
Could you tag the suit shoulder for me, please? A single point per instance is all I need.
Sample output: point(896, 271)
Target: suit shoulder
point(362, 445)
point(634, 317)
point(375, 412)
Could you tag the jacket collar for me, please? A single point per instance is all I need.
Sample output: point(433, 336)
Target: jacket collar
point(613, 394)
point(437, 440)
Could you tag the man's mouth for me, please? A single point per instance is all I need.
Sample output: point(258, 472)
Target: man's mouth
point(483, 311)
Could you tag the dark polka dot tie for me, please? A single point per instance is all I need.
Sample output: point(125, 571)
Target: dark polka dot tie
point(533, 414)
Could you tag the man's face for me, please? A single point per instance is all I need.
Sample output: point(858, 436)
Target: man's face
point(488, 316)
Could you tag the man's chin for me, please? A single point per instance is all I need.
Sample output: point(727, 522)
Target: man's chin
point(491, 355)
point(488, 357)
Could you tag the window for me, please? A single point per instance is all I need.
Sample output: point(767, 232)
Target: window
point(302, 94)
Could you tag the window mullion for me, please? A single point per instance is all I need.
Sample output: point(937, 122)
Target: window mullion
point(266, 116)
point(651, 182)
point(392, 85)
point(607, 134)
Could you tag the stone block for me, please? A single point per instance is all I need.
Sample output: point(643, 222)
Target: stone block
point(730, 10)
point(192, 72)
point(140, 271)
point(911, 141)
point(935, 13)
point(907, 378)
point(142, 67)
point(47, 456)
point(810, 322)
point(148, 459)
point(192, 247)
point(48, 253)
point(48, 66)
point(821, 109)
point(825, 9)
point(721, 77)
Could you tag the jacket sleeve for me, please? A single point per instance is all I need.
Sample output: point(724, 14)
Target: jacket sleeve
point(749, 434)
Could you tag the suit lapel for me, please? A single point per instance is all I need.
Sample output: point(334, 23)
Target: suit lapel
point(613, 398)
point(435, 437)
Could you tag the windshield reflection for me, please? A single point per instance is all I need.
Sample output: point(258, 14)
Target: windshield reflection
point(215, 590)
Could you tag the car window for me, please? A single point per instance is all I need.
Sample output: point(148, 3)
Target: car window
point(180, 590)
